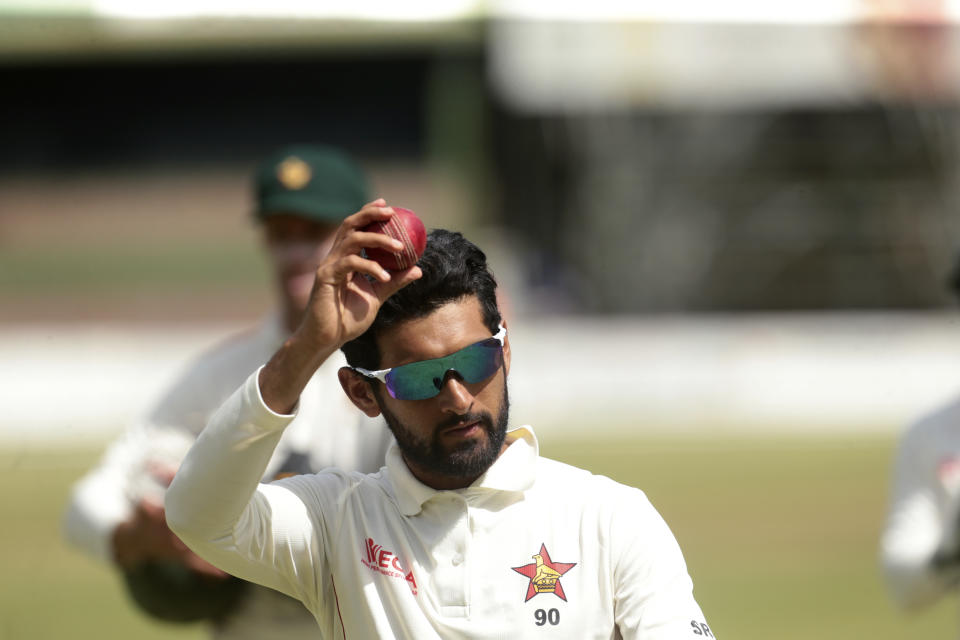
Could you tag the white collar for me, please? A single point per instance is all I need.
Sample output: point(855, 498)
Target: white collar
point(514, 471)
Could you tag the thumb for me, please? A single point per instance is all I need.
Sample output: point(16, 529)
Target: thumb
point(398, 280)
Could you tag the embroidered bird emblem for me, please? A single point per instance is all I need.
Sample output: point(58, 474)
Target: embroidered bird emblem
point(545, 579)
point(544, 574)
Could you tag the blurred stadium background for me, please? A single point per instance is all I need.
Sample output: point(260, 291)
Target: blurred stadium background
point(724, 231)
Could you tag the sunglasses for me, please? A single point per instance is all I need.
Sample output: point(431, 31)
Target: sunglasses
point(424, 379)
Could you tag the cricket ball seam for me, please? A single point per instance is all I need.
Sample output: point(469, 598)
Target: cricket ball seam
point(407, 258)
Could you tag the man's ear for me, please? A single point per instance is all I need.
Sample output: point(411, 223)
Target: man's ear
point(359, 391)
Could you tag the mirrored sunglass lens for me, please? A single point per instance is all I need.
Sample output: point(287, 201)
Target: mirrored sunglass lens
point(413, 381)
point(478, 361)
point(421, 380)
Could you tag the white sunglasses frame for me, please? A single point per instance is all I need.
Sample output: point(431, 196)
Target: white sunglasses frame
point(381, 374)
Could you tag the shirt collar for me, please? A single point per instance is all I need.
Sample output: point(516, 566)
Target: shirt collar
point(513, 471)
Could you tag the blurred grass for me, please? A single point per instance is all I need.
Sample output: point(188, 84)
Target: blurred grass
point(780, 534)
point(162, 281)
point(49, 591)
point(91, 269)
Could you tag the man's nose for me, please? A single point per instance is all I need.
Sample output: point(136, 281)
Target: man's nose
point(454, 395)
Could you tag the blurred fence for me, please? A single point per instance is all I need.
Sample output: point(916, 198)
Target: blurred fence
point(837, 373)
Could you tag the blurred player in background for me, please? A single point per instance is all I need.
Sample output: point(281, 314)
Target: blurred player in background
point(920, 549)
point(116, 512)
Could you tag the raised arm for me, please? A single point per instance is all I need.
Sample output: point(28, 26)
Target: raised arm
point(215, 504)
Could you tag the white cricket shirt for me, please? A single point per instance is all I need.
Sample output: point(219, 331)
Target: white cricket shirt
point(924, 510)
point(534, 548)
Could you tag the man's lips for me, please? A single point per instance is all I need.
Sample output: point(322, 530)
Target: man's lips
point(463, 428)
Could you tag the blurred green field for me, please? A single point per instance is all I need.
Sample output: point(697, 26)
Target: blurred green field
point(780, 534)
point(117, 281)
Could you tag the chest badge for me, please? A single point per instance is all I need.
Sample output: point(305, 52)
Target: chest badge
point(544, 574)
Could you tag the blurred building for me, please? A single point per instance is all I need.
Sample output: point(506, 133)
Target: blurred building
point(632, 157)
point(736, 156)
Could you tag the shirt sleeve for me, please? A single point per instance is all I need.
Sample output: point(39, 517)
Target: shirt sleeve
point(653, 597)
point(919, 529)
point(217, 506)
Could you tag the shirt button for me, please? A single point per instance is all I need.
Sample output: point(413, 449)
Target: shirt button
point(457, 560)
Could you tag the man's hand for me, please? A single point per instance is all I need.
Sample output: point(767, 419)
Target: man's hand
point(145, 537)
point(346, 297)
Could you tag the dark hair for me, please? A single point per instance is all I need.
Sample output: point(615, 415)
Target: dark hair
point(453, 268)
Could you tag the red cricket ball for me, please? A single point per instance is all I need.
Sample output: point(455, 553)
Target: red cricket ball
point(406, 227)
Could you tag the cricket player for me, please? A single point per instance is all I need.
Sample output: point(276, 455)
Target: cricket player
point(116, 512)
point(920, 548)
point(466, 532)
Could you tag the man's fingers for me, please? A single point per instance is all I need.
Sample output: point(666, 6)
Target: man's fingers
point(358, 240)
point(398, 280)
point(407, 276)
point(388, 282)
point(345, 267)
point(371, 212)
point(352, 241)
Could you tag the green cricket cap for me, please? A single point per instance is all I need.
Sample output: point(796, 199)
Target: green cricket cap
point(317, 182)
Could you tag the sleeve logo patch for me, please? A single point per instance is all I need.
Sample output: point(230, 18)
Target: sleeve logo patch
point(701, 629)
point(544, 574)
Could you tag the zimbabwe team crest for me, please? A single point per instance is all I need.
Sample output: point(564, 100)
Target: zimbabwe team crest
point(545, 574)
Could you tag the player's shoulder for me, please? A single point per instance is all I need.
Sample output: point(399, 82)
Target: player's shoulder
point(565, 479)
point(338, 485)
point(564, 472)
point(612, 510)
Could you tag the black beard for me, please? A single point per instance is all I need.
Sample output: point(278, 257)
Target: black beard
point(470, 459)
